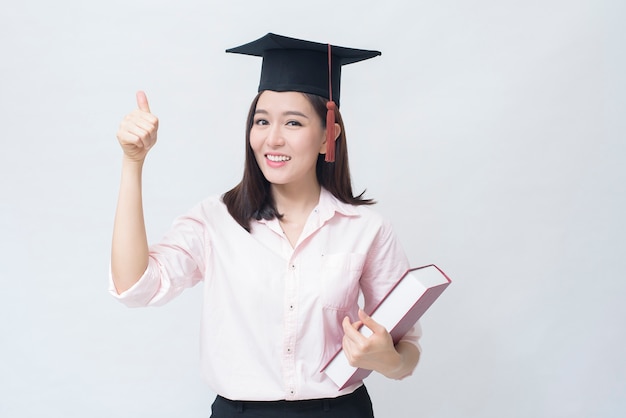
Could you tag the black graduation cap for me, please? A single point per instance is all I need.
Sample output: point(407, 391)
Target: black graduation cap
point(291, 64)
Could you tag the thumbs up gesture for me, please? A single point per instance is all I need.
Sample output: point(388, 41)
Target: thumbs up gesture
point(138, 131)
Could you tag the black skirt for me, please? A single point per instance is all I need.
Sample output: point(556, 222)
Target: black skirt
point(354, 405)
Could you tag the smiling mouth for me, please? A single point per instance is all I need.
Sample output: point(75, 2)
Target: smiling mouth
point(277, 158)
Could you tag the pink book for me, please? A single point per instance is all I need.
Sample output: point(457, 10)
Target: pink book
point(399, 310)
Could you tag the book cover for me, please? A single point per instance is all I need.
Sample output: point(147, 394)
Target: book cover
point(399, 310)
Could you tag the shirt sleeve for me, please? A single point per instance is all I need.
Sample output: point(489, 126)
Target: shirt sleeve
point(175, 263)
point(386, 262)
point(413, 336)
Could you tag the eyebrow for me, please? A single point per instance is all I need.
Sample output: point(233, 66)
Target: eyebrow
point(287, 113)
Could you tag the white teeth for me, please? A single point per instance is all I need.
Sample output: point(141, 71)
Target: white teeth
point(277, 158)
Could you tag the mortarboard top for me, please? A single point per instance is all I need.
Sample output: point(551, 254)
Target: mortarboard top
point(291, 64)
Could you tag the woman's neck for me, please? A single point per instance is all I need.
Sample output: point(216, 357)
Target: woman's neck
point(295, 205)
point(295, 201)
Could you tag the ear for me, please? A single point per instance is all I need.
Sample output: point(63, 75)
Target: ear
point(337, 133)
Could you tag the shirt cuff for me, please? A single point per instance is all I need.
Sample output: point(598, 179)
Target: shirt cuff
point(143, 292)
point(413, 336)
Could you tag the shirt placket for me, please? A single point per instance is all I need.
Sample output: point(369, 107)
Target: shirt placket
point(290, 331)
point(291, 298)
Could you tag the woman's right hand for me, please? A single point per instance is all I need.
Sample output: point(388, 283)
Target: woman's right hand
point(138, 131)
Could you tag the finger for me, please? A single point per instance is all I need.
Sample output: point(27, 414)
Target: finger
point(130, 138)
point(138, 117)
point(355, 325)
point(142, 101)
point(370, 323)
point(146, 138)
point(146, 121)
point(351, 331)
point(148, 126)
point(346, 324)
point(144, 132)
point(347, 327)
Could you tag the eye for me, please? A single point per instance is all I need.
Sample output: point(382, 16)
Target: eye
point(293, 123)
point(261, 122)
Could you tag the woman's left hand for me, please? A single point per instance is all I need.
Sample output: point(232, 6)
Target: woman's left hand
point(376, 352)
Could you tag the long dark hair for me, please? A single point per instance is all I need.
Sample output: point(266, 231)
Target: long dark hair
point(252, 198)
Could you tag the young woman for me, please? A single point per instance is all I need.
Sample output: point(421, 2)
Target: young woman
point(283, 255)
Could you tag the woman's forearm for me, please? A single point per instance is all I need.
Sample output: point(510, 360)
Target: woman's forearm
point(129, 252)
point(409, 356)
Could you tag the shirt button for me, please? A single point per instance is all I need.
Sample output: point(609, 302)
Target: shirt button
point(291, 307)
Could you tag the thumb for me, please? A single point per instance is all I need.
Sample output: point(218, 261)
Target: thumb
point(142, 101)
point(370, 323)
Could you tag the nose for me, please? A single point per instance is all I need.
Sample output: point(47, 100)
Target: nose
point(275, 136)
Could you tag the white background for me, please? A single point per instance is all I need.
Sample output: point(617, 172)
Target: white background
point(492, 133)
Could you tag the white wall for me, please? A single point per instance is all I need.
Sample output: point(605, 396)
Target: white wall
point(492, 133)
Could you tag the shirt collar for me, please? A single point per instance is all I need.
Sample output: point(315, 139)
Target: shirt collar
point(326, 208)
point(329, 205)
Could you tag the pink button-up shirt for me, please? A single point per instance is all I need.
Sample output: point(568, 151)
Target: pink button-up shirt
point(272, 312)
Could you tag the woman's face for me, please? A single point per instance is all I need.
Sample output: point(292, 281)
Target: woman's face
point(287, 137)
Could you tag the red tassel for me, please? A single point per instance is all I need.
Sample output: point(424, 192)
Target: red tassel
point(330, 115)
point(330, 132)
